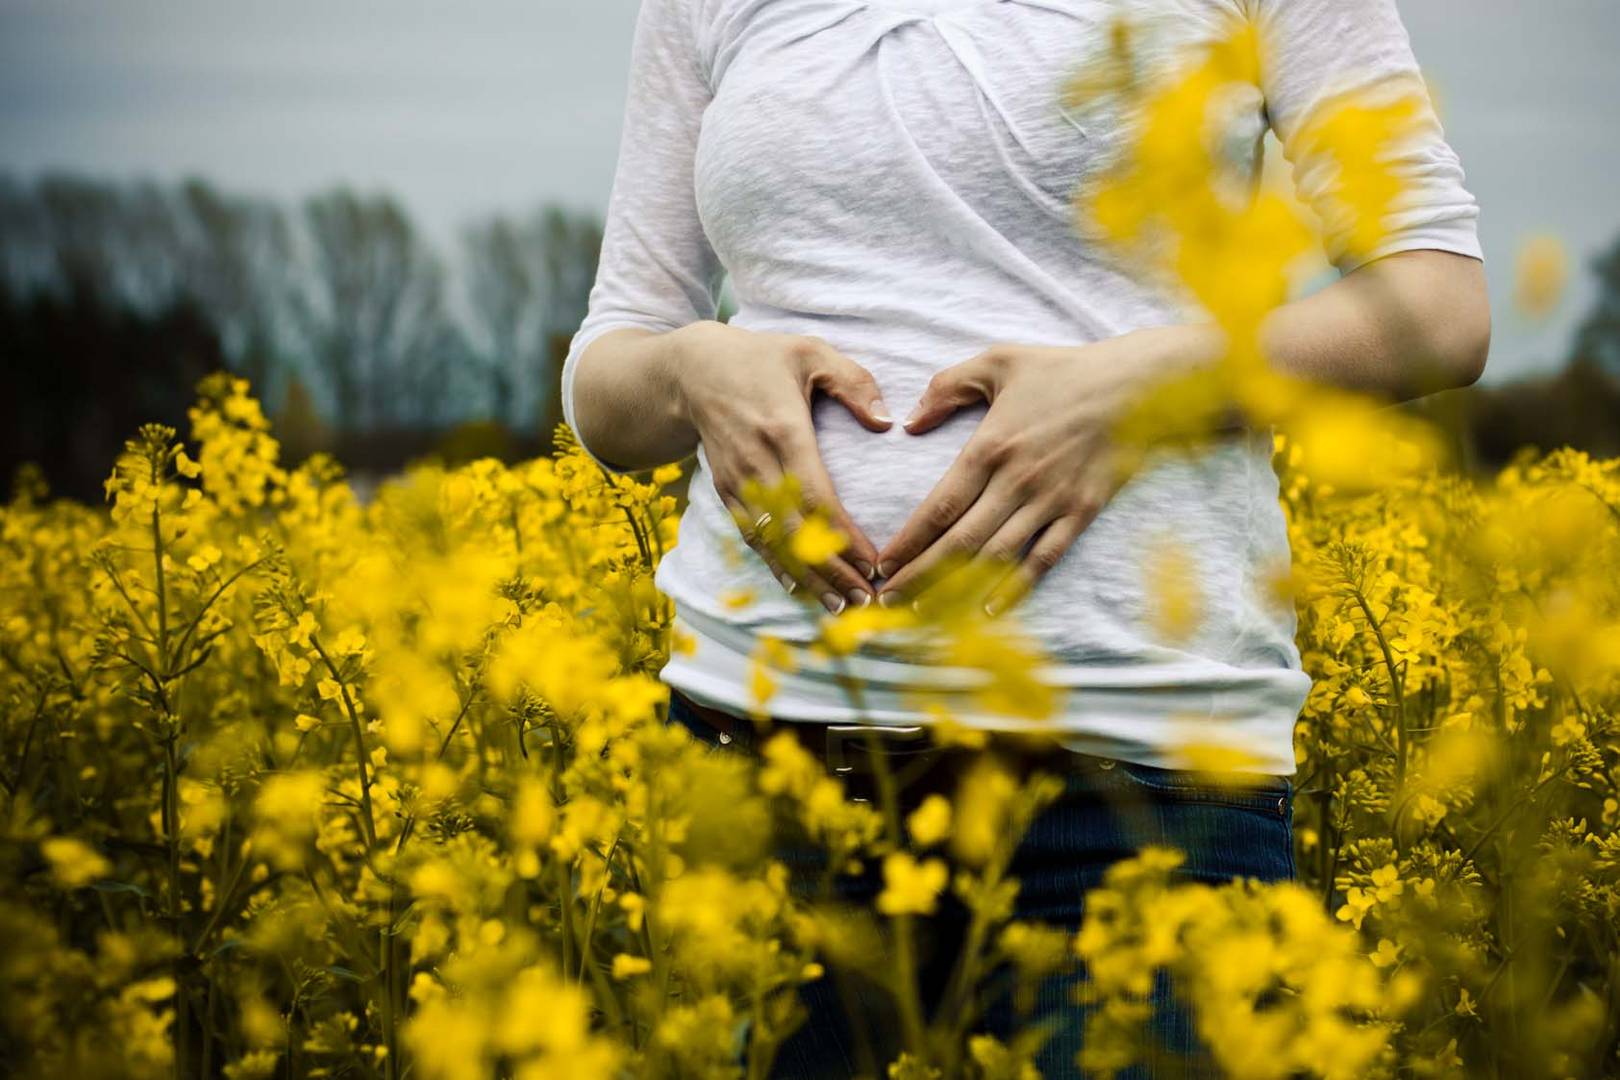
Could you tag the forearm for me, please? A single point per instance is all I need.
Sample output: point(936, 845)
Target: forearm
point(627, 404)
point(1400, 327)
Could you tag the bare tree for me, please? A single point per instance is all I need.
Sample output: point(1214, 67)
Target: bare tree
point(346, 293)
point(86, 241)
point(504, 324)
point(528, 285)
point(25, 260)
point(569, 246)
point(236, 261)
point(372, 309)
point(1598, 337)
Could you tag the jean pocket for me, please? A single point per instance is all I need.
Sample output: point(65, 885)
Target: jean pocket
point(1262, 792)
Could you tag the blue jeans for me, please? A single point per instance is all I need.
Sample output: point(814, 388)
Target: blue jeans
point(1108, 810)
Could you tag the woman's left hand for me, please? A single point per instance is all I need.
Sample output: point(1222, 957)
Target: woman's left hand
point(1041, 465)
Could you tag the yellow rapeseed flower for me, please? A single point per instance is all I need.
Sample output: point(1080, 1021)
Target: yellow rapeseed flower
point(911, 887)
point(74, 864)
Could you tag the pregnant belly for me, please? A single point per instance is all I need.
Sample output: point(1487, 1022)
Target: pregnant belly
point(881, 477)
point(1099, 600)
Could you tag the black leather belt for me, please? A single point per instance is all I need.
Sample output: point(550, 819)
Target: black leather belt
point(846, 747)
point(920, 765)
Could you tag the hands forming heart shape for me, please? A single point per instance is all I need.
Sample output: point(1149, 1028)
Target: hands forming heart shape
point(1033, 476)
point(1035, 473)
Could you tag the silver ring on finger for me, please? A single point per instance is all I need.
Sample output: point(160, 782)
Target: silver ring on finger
point(762, 521)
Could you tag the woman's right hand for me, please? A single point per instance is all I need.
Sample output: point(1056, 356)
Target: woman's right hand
point(748, 393)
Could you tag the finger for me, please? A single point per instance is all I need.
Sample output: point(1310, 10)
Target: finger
point(746, 518)
point(957, 490)
point(1058, 536)
point(858, 560)
point(1051, 541)
point(774, 543)
point(962, 384)
point(848, 382)
point(760, 530)
point(957, 544)
point(838, 572)
point(861, 552)
point(1005, 550)
point(834, 581)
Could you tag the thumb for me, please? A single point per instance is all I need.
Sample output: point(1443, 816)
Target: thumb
point(854, 386)
point(949, 390)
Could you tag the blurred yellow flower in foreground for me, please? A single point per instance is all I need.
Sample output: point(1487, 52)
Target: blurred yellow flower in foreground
point(74, 863)
point(911, 887)
point(1540, 275)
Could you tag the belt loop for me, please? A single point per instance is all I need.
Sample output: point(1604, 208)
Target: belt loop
point(838, 734)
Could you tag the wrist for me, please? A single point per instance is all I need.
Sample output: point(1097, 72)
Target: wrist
point(681, 349)
point(1181, 349)
point(1191, 351)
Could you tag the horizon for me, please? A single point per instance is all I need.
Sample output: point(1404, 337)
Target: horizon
point(462, 113)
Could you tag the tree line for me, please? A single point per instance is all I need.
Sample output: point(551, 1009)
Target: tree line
point(1574, 403)
point(363, 338)
point(352, 326)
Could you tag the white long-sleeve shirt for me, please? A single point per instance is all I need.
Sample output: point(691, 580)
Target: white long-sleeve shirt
point(894, 176)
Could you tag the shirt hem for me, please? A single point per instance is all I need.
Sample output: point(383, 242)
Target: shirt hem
point(1146, 714)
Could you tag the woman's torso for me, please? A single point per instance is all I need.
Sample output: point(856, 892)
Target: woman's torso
point(896, 177)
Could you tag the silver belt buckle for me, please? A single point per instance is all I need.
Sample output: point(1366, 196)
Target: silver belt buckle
point(839, 734)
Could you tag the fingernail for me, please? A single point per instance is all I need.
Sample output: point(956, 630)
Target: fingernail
point(865, 568)
point(787, 581)
point(833, 601)
point(888, 599)
point(880, 411)
point(991, 606)
point(859, 597)
point(884, 569)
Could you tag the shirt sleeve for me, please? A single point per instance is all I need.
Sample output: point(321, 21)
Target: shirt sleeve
point(1315, 50)
point(656, 270)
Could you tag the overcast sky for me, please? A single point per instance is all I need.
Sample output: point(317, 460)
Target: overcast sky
point(463, 108)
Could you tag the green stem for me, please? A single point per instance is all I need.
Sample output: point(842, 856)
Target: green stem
point(385, 950)
point(955, 1016)
point(904, 984)
point(385, 941)
point(367, 819)
point(759, 1048)
point(171, 770)
point(563, 872)
point(1395, 685)
point(171, 834)
point(905, 975)
point(596, 908)
point(162, 598)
